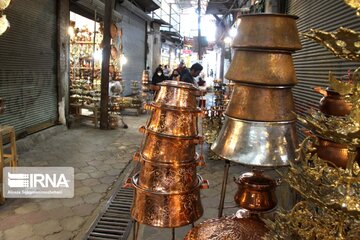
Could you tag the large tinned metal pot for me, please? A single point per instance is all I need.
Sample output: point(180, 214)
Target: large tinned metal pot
point(228, 228)
point(256, 143)
point(259, 103)
point(167, 210)
point(278, 31)
point(167, 177)
point(167, 149)
point(173, 121)
point(255, 191)
point(177, 94)
point(334, 152)
point(262, 67)
point(334, 104)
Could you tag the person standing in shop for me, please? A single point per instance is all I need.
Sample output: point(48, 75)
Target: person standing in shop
point(189, 75)
point(158, 76)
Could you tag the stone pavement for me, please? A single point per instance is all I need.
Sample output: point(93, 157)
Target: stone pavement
point(99, 158)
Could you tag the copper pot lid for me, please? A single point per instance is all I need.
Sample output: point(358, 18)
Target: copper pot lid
point(256, 179)
point(229, 228)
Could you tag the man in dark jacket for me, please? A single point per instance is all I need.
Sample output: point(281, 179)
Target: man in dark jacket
point(189, 75)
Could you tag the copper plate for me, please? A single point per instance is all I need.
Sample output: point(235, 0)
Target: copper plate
point(259, 103)
point(166, 210)
point(228, 228)
point(268, 31)
point(262, 67)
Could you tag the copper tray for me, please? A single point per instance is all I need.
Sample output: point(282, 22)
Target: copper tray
point(228, 228)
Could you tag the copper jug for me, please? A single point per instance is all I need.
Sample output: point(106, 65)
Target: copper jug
point(334, 152)
point(255, 191)
point(333, 104)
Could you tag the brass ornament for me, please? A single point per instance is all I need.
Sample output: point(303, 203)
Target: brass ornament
point(354, 4)
point(307, 221)
point(344, 43)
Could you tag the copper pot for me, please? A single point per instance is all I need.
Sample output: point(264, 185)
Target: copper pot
point(335, 152)
point(228, 228)
point(165, 177)
point(267, 31)
point(255, 191)
point(262, 67)
point(259, 103)
point(334, 104)
point(2, 106)
point(113, 122)
point(167, 210)
point(166, 149)
point(177, 94)
point(173, 121)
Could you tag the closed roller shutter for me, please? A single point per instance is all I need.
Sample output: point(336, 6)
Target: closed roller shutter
point(28, 66)
point(314, 62)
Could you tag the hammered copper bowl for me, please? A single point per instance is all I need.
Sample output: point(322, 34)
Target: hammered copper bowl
point(177, 94)
point(267, 144)
point(334, 104)
point(268, 31)
point(259, 103)
point(336, 153)
point(262, 67)
point(256, 192)
point(167, 149)
point(165, 177)
point(228, 228)
point(166, 210)
point(172, 121)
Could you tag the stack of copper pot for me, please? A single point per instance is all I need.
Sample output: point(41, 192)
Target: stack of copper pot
point(167, 187)
point(259, 127)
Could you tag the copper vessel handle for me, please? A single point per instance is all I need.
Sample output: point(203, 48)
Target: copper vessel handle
point(142, 129)
point(321, 91)
point(128, 183)
point(148, 106)
point(200, 161)
point(204, 184)
point(136, 156)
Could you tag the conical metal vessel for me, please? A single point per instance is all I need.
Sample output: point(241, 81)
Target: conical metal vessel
point(259, 127)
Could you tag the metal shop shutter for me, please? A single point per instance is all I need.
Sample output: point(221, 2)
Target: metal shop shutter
point(28, 66)
point(313, 62)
